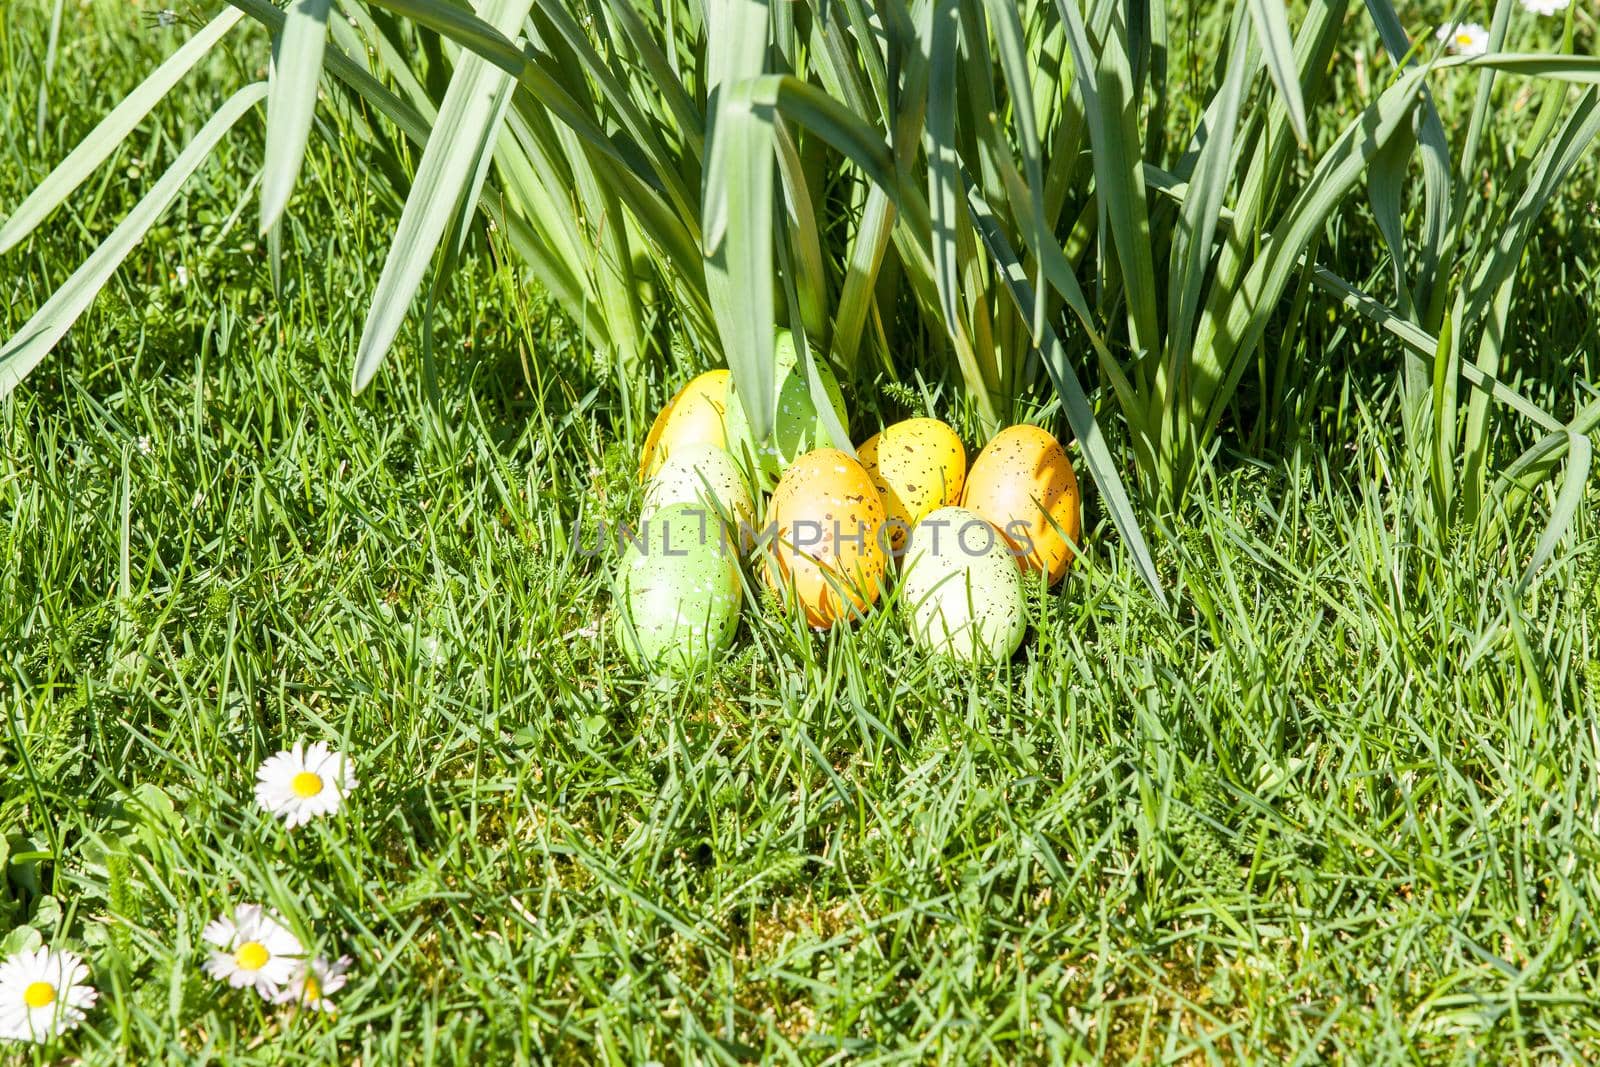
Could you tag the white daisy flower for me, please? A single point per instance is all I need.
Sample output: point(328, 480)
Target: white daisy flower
point(1464, 38)
point(1545, 7)
point(303, 783)
point(313, 981)
point(42, 994)
point(256, 950)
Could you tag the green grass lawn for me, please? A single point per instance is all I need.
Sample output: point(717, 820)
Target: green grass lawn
point(1340, 803)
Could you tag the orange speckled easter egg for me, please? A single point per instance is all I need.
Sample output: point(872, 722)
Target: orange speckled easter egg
point(1023, 483)
point(828, 522)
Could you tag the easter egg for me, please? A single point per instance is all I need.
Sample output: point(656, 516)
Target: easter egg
point(704, 475)
point(678, 590)
point(1023, 483)
point(960, 588)
point(797, 428)
point(698, 413)
point(917, 466)
point(828, 524)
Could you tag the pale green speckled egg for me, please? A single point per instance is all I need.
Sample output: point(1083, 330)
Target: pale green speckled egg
point(701, 474)
point(678, 591)
point(961, 590)
point(797, 428)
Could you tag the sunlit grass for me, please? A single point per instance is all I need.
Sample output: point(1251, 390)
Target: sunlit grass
point(1338, 803)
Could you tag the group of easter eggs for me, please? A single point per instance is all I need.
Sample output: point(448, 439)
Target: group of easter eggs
point(836, 528)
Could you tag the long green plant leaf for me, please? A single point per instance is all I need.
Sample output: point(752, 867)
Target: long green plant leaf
point(1110, 103)
point(50, 323)
point(1489, 297)
point(111, 131)
point(291, 100)
point(471, 106)
point(1277, 48)
point(1192, 239)
point(1080, 416)
point(737, 206)
point(356, 77)
point(1387, 183)
point(944, 208)
point(1235, 319)
point(481, 34)
point(1569, 498)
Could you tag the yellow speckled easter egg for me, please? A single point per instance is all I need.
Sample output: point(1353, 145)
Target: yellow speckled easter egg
point(917, 466)
point(698, 413)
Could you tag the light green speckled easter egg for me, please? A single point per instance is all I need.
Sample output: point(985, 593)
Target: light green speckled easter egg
point(678, 590)
point(797, 429)
point(961, 589)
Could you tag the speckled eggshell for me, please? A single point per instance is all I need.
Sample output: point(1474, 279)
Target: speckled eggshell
point(697, 414)
point(834, 577)
point(960, 589)
point(1023, 482)
point(678, 590)
point(917, 466)
point(698, 473)
point(797, 428)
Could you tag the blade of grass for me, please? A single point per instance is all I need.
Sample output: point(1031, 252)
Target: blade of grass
point(51, 47)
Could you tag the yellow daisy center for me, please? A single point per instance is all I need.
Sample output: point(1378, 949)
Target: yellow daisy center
point(252, 956)
point(39, 995)
point(306, 784)
point(313, 990)
point(1463, 39)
